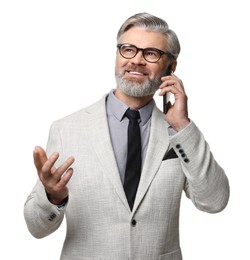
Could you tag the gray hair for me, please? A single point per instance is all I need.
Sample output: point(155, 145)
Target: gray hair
point(155, 24)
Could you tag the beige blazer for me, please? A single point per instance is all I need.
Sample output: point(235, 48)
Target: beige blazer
point(100, 224)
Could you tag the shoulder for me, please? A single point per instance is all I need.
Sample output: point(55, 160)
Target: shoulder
point(83, 114)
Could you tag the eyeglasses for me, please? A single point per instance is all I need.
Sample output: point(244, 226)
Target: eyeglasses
point(129, 51)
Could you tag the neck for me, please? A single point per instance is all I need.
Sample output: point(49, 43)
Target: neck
point(133, 102)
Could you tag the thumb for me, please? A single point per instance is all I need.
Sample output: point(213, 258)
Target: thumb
point(39, 156)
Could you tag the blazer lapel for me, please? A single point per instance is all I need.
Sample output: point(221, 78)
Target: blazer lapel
point(157, 147)
point(101, 144)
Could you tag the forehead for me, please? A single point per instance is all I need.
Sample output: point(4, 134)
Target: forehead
point(144, 39)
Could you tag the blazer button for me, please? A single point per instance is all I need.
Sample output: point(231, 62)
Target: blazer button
point(133, 222)
point(181, 151)
point(51, 216)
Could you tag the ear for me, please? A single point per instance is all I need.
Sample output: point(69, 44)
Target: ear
point(174, 65)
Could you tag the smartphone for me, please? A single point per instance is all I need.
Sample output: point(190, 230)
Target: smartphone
point(166, 97)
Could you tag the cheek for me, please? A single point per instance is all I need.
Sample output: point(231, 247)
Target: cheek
point(120, 63)
point(161, 70)
point(156, 72)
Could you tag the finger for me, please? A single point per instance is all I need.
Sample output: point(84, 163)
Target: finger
point(172, 75)
point(37, 160)
point(40, 157)
point(42, 153)
point(172, 82)
point(172, 89)
point(63, 168)
point(168, 82)
point(65, 178)
point(48, 165)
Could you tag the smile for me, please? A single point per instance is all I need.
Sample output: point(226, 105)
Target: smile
point(137, 73)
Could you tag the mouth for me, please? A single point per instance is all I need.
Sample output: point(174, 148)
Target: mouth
point(136, 73)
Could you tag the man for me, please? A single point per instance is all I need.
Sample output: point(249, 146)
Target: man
point(109, 215)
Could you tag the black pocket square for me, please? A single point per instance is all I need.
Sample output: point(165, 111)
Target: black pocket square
point(171, 154)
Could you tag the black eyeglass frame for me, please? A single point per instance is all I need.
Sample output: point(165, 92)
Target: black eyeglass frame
point(119, 45)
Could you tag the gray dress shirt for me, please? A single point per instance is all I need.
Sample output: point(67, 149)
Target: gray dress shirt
point(118, 125)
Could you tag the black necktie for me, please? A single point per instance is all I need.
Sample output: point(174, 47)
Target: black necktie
point(133, 166)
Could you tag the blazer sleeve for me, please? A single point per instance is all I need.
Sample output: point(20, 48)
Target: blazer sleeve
point(206, 182)
point(41, 216)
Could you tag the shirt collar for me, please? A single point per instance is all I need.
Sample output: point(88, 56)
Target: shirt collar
point(118, 108)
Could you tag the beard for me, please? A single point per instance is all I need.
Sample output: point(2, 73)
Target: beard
point(135, 88)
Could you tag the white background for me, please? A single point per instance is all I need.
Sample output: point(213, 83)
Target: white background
point(52, 63)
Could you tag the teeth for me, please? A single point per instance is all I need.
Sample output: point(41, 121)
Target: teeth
point(135, 73)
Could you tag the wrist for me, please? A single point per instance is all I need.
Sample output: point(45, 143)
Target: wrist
point(180, 124)
point(57, 201)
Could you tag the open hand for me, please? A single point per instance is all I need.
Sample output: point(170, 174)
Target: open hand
point(54, 179)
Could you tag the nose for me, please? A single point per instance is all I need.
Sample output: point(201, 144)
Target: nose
point(138, 59)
